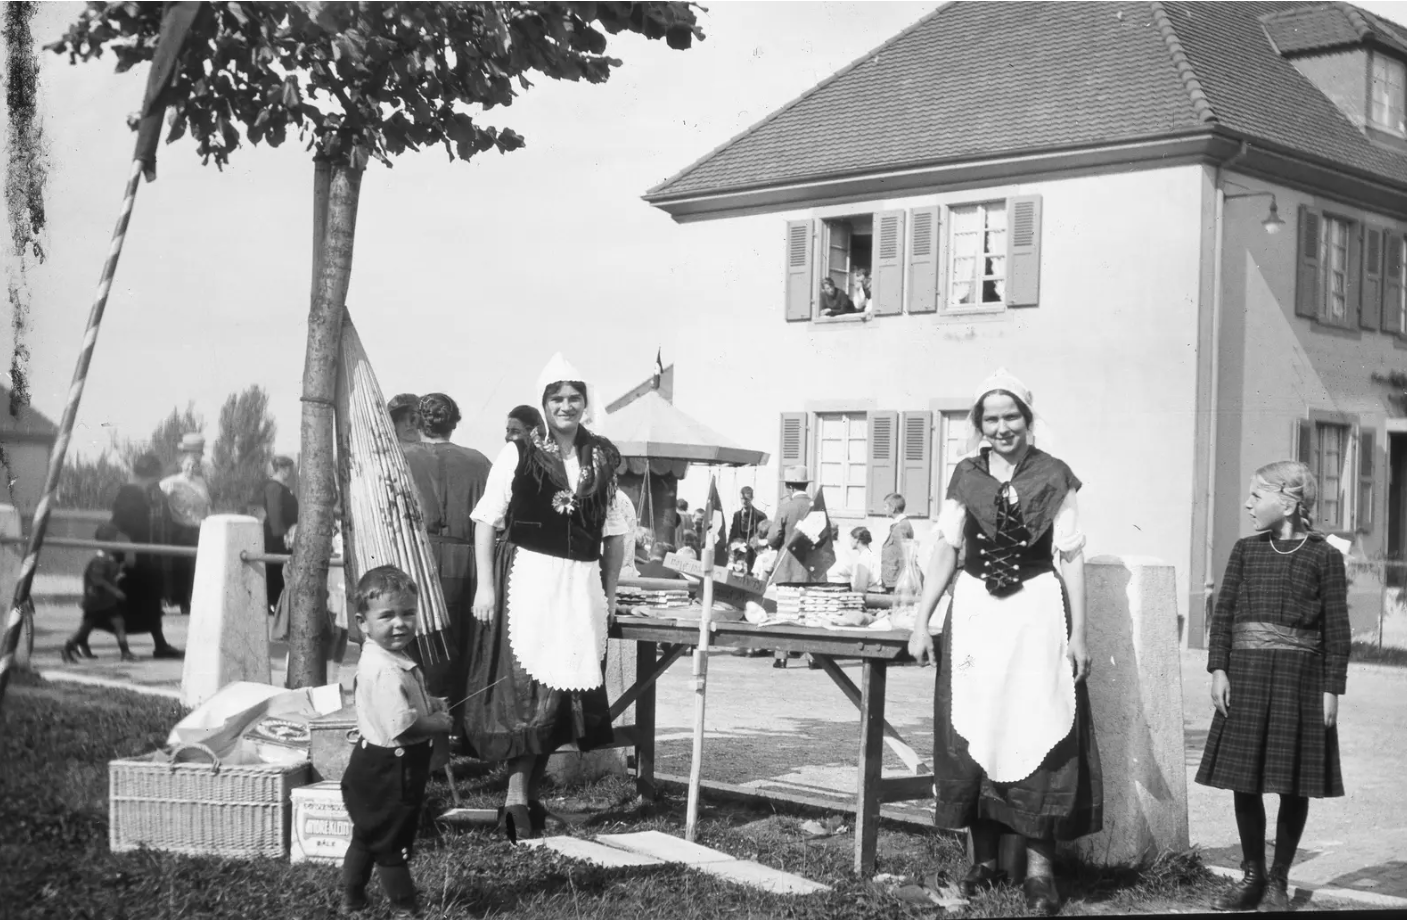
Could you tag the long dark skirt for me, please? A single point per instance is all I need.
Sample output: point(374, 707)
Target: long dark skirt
point(1274, 740)
point(144, 586)
point(446, 677)
point(1062, 800)
point(521, 716)
point(182, 580)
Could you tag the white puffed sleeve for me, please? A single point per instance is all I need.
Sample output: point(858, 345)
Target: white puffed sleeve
point(952, 518)
point(498, 490)
point(619, 518)
point(1068, 537)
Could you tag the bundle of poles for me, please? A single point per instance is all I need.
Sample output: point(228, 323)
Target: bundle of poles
point(383, 523)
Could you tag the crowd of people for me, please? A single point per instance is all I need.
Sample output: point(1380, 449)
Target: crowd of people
point(531, 545)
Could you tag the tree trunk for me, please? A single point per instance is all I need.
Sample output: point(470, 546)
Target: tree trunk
point(317, 484)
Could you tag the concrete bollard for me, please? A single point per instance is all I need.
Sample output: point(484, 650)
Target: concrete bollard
point(11, 555)
point(573, 767)
point(1135, 689)
point(228, 638)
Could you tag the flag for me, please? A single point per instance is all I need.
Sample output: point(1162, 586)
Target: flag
point(176, 25)
point(811, 544)
point(715, 519)
point(659, 368)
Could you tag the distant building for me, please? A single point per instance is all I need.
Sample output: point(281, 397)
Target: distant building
point(1088, 194)
point(27, 439)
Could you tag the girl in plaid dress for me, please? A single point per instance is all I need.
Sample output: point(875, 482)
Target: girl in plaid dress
point(1278, 658)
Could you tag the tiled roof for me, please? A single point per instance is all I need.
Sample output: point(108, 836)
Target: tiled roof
point(977, 80)
point(1313, 28)
point(1257, 93)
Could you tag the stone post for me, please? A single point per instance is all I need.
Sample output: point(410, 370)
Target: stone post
point(228, 638)
point(1135, 689)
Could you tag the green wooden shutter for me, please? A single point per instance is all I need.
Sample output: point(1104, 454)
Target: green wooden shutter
point(1023, 251)
point(1309, 291)
point(882, 475)
point(1370, 313)
point(1353, 281)
point(1392, 284)
point(916, 462)
point(887, 274)
point(1367, 461)
point(1304, 444)
point(925, 259)
point(793, 449)
point(800, 285)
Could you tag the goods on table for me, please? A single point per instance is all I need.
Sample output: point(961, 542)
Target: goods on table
point(821, 605)
point(384, 524)
point(165, 802)
point(667, 597)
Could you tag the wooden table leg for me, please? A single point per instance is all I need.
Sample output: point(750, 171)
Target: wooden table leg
point(645, 653)
point(867, 796)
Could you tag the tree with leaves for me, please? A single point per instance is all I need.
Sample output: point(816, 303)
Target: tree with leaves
point(165, 440)
point(357, 81)
point(242, 450)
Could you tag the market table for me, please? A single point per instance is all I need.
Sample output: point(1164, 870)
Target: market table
point(662, 641)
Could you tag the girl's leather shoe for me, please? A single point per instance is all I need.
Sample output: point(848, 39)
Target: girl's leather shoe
point(1245, 894)
point(1276, 898)
point(1041, 895)
point(979, 878)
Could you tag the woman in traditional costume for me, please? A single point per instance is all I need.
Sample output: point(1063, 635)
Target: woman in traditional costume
point(140, 512)
point(543, 595)
point(1013, 746)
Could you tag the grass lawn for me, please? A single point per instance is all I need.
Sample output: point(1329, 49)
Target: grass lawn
point(56, 741)
point(1369, 653)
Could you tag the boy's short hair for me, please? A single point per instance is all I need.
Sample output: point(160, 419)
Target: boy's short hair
point(745, 492)
point(107, 532)
point(382, 581)
point(896, 501)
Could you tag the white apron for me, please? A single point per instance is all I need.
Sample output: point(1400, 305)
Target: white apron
point(1013, 690)
point(557, 619)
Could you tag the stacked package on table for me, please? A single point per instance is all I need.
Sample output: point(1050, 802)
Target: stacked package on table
point(820, 605)
point(639, 597)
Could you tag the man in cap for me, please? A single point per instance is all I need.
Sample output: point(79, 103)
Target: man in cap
point(188, 496)
point(405, 416)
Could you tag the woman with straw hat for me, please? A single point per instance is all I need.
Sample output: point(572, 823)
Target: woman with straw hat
point(188, 495)
point(543, 596)
point(1013, 747)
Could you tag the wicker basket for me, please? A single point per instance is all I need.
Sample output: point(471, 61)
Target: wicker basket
point(201, 808)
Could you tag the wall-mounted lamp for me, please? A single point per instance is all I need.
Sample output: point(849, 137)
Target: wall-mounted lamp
point(1272, 223)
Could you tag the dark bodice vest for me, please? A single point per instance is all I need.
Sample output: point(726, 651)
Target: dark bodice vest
point(1009, 557)
point(535, 523)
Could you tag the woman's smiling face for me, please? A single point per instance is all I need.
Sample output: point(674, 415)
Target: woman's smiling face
point(565, 406)
point(1003, 424)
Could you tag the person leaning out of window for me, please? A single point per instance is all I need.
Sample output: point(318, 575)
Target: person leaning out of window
point(834, 301)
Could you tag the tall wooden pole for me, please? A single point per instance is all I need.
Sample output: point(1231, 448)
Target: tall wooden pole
point(701, 670)
point(317, 481)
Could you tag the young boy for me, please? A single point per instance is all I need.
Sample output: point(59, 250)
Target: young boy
point(102, 601)
point(384, 785)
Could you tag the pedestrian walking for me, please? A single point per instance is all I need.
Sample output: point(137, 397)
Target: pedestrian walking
point(141, 514)
point(188, 495)
point(1278, 657)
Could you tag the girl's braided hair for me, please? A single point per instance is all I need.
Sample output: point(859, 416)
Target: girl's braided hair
point(438, 415)
point(1296, 482)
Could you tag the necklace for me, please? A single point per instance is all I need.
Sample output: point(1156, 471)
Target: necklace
point(1289, 552)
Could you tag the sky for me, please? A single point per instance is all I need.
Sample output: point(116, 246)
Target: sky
point(466, 276)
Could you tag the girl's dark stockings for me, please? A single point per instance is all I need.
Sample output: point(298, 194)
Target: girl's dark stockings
point(1289, 827)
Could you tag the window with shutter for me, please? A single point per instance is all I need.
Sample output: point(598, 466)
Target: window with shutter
point(888, 276)
point(1394, 313)
point(916, 474)
point(1304, 443)
point(1330, 459)
point(924, 259)
point(1371, 293)
point(1367, 461)
point(1337, 248)
point(1024, 251)
point(800, 283)
point(792, 449)
point(1309, 293)
point(842, 459)
point(883, 477)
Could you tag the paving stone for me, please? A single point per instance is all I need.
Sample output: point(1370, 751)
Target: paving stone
point(664, 847)
point(756, 875)
point(593, 852)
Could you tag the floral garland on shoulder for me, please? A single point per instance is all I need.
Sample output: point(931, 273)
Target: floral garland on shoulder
point(598, 477)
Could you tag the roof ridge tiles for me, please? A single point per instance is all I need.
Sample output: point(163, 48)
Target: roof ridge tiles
point(1200, 103)
point(1355, 18)
point(752, 129)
